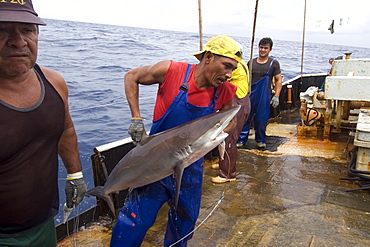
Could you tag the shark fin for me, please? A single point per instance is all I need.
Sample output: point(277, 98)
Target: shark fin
point(98, 191)
point(179, 169)
point(144, 138)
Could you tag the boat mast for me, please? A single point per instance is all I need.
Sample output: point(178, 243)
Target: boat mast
point(303, 38)
point(200, 25)
point(252, 45)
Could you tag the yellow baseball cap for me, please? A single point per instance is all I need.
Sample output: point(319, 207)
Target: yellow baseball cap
point(222, 45)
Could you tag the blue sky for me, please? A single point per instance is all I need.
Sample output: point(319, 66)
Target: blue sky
point(279, 19)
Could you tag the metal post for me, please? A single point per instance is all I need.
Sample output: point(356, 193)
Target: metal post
point(303, 38)
point(200, 25)
point(252, 46)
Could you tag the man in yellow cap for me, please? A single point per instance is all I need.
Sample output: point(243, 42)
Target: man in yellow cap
point(186, 92)
point(35, 126)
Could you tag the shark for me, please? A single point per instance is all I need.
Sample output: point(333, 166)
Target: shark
point(165, 153)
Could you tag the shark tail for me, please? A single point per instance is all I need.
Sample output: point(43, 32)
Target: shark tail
point(98, 191)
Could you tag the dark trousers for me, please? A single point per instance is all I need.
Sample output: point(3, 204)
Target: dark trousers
point(228, 163)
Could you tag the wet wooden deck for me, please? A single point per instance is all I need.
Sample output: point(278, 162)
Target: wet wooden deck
point(290, 196)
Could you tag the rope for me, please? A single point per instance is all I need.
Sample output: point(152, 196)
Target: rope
point(209, 215)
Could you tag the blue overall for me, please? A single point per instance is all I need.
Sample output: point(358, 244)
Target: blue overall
point(260, 110)
point(141, 208)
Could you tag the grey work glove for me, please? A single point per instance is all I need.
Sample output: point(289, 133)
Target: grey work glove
point(136, 129)
point(274, 101)
point(75, 191)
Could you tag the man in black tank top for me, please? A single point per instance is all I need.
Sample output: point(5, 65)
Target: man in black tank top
point(34, 128)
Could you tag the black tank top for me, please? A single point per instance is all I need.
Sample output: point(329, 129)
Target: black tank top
point(29, 161)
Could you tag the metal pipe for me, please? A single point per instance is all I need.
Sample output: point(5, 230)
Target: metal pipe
point(252, 46)
point(200, 25)
point(303, 38)
point(348, 55)
point(289, 96)
point(303, 112)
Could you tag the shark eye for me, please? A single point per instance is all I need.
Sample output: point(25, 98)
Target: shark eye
point(217, 125)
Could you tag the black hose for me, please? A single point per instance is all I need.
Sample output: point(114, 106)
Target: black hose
point(352, 165)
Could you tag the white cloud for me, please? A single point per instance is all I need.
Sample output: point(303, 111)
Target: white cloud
point(278, 19)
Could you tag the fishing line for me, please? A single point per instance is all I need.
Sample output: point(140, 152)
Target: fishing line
point(209, 215)
point(201, 223)
point(76, 222)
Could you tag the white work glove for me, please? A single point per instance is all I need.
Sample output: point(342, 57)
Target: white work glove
point(75, 189)
point(136, 129)
point(274, 101)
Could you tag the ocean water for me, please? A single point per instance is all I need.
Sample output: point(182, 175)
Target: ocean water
point(93, 59)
